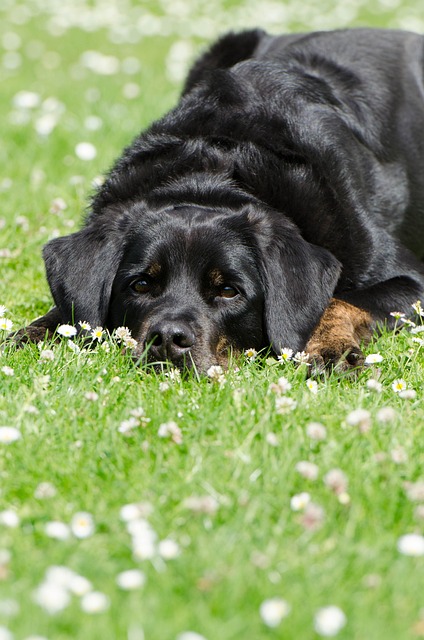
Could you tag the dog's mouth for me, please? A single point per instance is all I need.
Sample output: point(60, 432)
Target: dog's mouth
point(161, 355)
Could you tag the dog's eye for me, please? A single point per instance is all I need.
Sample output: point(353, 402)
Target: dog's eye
point(227, 292)
point(142, 284)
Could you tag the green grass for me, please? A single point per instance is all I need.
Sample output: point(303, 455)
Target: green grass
point(251, 546)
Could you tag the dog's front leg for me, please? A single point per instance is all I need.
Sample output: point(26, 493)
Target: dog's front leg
point(38, 330)
point(336, 340)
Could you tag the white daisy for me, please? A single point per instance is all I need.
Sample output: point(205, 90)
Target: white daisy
point(312, 386)
point(299, 501)
point(399, 385)
point(94, 602)
point(168, 549)
point(9, 434)
point(9, 518)
point(273, 610)
point(131, 579)
point(374, 358)
point(57, 530)
point(328, 621)
point(316, 431)
point(411, 544)
point(51, 597)
point(97, 333)
point(85, 151)
point(82, 525)
point(67, 330)
point(307, 470)
point(285, 355)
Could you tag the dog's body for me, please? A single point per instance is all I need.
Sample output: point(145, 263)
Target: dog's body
point(281, 204)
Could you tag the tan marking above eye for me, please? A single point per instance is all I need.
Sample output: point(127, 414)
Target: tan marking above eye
point(154, 270)
point(216, 278)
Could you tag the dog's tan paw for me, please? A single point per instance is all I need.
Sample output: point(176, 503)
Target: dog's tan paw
point(335, 342)
point(30, 334)
point(341, 359)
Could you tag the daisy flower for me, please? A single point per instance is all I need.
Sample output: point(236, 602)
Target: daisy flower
point(85, 326)
point(300, 501)
point(94, 602)
point(134, 511)
point(122, 333)
point(127, 426)
point(411, 544)
point(130, 579)
point(9, 518)
point(57, 205)
point(307, 470)
point(399, 455)
point(312, 386)
point(271, 439)
point(97, 334)
point(283, 385)
point(360, 418)
point(417, 307)
point(273, 610)
point(82, 525)
point(201, 504)
point(3, 310)
point(169, 549)
point(408, 394)
point(216, 374)
point(8, 371)
point(374, 385)
point(251, 354)
point(285, 405)
point(57, 530)
point(9, 434)
point(328, 621)
point(336, 480)
point(399, 385)
point(5, 324)
point(92, 396)
point(386, 415)
point(374, 358)
point(67, 330)
point(286, 354)
point(5, 634)
point(47, 355)
point(397, 314)
point(85, 151)
point(316, 431)
point(45, 490)
point(301, 357)
point(415, 491)
point(170, 430)
point(51, 597)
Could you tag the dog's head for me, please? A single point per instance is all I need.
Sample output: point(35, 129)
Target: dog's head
point(193, 283)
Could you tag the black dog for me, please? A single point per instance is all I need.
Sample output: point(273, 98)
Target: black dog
point(279, 204)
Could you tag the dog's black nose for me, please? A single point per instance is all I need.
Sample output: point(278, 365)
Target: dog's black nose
point(170, 340)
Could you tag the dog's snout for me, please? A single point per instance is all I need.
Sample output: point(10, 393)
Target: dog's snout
point(170, 340)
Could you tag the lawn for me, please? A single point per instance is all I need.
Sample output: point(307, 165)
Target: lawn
point(142, 506)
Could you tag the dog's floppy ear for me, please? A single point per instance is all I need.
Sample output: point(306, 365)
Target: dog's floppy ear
point(80, 271)
point(299, 280)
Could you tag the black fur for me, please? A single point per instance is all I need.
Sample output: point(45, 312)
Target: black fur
point(290, 172)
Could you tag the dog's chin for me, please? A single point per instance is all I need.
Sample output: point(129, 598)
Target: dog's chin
point(189, 363)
